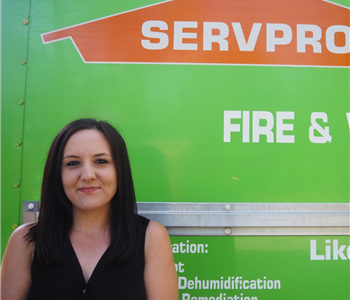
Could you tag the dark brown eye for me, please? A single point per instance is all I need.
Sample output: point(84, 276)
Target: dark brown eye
point(101, 161)
point(73, 163)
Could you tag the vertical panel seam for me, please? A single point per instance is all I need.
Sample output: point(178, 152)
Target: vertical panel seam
point(23, 118)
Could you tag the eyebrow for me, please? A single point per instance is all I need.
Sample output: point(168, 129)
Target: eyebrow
point(102, 154)
point(70, 156)
point(96, 155)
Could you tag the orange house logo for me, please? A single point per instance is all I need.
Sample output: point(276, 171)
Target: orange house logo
point(227, 32)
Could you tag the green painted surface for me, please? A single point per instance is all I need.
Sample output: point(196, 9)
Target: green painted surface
point(14, 43)
point(342, 2)
point(172, 119)
point(282, 264)
point(177, 148)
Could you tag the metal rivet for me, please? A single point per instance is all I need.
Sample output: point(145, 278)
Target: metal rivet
point(227, 207)
point(227, 231)
point(31, 206)
point(23, 62)
point(17, 184)
point(19, 142)
point(14, 226)
point(25, 22)
point(21, 102)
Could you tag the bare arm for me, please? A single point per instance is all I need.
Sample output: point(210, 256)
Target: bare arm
point(16, 264)
point(160, 274)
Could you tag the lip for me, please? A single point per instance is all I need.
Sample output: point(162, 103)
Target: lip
point(88, 189)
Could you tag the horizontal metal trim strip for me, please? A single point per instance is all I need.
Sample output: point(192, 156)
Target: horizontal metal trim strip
point(257, 231)
point(251, 219)
point(172, 207)
point(190, 207)
point(244, 218)
point(247, 214)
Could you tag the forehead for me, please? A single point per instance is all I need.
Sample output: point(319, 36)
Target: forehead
point(88, 140)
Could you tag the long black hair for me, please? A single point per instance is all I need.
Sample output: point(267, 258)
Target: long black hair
point(55, 215)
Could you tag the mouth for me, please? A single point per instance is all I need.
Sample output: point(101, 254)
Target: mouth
point(88, 189)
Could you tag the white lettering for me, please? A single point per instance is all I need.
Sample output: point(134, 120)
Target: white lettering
point(313, 250)
point(175, 248)
point(246, 284)
point(272, 40)
point(162, 36)
point(277, 284)
point(276, 34)
point(257, 128)
point(262, 130)
point(338, 251)
point(186, 296)
point(209, 38)
point(178, 267)
point(328, 250)
point(281, 127)
point(228, 127)
point(182, 247)
point(325, 137)
point(330, 39)
point(189, 248)
point(270, 284)
point(302, 40)
point(182, 282)
point(179, 35)
point(348, 117)
point(245, 130)
point(253, 37)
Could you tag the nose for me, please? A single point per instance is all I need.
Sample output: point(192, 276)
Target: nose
point(88, 173)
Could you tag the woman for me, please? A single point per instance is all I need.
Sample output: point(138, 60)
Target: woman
point(88, 243)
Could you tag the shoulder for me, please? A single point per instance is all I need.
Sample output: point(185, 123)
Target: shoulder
point(16, 265)
point(18, 248)
point(18, 240)
point(23, 229)
point(157, 240)
point(156, 231)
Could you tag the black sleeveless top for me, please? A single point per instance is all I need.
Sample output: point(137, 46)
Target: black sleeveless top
point(117, 281)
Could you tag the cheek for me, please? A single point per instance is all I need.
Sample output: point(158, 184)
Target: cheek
point(64, 178)
point(113, 184)
point(68, 183)
point(68, 180)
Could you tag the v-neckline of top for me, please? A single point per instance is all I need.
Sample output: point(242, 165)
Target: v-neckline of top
point(78, 262)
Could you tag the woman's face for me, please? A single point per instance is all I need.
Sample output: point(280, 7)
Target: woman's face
point(89, 176)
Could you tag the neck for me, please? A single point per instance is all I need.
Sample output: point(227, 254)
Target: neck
point(91, 222)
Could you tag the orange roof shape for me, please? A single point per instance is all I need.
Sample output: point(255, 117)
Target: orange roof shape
point(253, 32)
